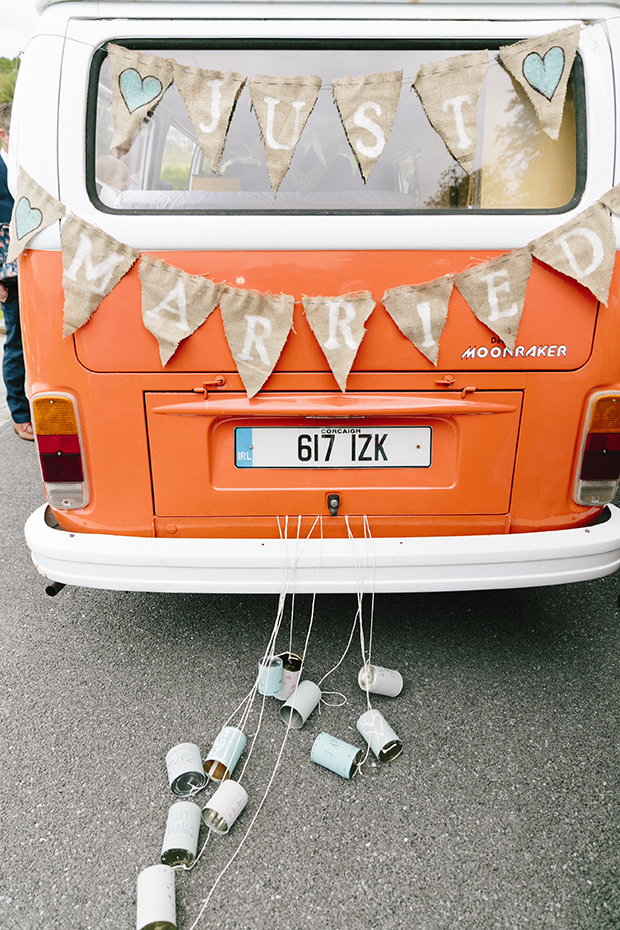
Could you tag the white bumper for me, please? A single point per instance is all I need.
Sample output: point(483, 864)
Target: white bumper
point(446, 563)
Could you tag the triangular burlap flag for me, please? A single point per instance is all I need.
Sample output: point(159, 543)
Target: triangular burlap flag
point(495, 291)
point(34, 209)
point(174, 303)
point(93, 263)
point(611, 199)
point(282, 106)
point(420, 311)
point(367, 107)
point(338, 324)
point(583, 249)
point(138, 83)
point(542, 67)
point(449, 91)
point(210, 98)
point(257, 326)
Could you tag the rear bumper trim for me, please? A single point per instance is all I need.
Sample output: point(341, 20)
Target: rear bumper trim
point(445, 563)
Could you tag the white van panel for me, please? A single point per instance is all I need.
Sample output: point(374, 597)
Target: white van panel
point(190, 232)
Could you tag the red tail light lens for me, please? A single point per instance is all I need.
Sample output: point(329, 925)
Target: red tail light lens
point(57, 429)
point(598, 470)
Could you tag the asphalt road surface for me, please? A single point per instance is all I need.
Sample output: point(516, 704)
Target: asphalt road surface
point(501, 811)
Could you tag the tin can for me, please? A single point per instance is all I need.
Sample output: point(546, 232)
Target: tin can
point(156, 901)
point(181, 836)
point(270, 675)
point(225, 753)
point(336, 755)
point(225, 805)
point(291, 672)
point(380, 680)
point(300, 705)
point(379, 735)
point(185, 771)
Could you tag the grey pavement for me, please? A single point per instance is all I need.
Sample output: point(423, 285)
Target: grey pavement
point(501, 812)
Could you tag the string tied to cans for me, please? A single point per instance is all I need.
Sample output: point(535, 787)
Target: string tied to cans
point(279, 675)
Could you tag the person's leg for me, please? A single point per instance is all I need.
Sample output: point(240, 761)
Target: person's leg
point(13, 371)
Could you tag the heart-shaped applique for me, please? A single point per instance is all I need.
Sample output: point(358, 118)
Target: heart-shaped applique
point(27, 217)
point(544, 74)
point(138, 91)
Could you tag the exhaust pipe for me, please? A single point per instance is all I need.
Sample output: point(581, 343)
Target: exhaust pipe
point(53, 587)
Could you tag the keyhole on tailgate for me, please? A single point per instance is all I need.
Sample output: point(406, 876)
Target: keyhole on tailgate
point(333, 502)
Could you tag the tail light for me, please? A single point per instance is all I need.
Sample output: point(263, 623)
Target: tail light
point(598, 467)
point(57, 428)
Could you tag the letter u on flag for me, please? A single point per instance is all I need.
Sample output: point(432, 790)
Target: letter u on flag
point(257, 327)
point(93, 263)
point(282, 106)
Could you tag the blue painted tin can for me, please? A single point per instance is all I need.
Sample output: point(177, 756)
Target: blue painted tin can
point(304, 699)
point(336, 755)
point(224, 754)
point(380, 736)
point(270, 672)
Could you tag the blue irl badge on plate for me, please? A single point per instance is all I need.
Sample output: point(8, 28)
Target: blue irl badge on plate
point(243, 447)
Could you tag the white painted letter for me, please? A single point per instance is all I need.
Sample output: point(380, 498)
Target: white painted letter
point(364, 122)
point(100, 273)
point(493, 290)
point(177, 296)
point(598, 251)
point(272, 103)
point(253, 338)
point(457, 105)
point(216, 99)
point(335, 323)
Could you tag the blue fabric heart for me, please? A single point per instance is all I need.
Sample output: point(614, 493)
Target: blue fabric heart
point(27, 217)
point(138, 91)
point(544, 74)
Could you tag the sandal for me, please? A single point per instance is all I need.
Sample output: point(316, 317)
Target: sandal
point(24, 431)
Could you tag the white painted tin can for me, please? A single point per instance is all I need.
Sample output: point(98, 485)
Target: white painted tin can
point(302, 702)
point(380, 680)
point(156, 901)
point(185, 771)
point(181, 836)
point(291, 673)
point(224, 754)
point(270, 673)
point(336, 755)
point(379, 735)
point(225, 805)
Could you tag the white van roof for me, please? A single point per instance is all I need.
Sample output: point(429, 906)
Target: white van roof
point(43, 4)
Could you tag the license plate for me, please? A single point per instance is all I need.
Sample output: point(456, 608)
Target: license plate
point(333, 447)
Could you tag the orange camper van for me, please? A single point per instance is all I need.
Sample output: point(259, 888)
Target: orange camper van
point(327, 293)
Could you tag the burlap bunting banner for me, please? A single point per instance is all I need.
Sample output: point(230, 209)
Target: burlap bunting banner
point(257, 327)
point(210, 98)
point(174, 303)
point(495, 292)
point(367, 107)
point(93, 263)
point(542, 67)
point(420, 311)
point(34, 209)
point(338, 324)
point(449, 91)
point(138, 83)
point(583, 249)
point(611, 199)
point(282, 106)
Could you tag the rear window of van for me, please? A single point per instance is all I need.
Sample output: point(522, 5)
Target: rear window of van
point(518, 167)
